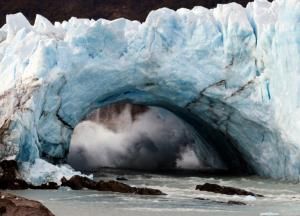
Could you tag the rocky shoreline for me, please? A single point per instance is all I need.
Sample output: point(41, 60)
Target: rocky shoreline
point(79, 182)
point(10, 179)
point(12, 205)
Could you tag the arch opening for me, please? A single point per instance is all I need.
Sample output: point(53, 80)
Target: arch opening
point(130, 135)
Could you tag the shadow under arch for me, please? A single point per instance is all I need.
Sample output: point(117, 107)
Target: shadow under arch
point(209, 138)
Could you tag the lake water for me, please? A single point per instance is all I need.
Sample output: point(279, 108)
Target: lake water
point(281, 198)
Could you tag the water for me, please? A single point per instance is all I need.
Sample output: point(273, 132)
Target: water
point(280, 198)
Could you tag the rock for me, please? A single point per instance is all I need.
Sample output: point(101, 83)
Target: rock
point(2, 210)
point(114, 186)
point(9, 169)
point(79, 182)
point(121, 178)
point(47, 186)
point(10, 177)
point(15, 184)
point(148, 191)
point(203, 199)
point(231, 202)
point(11, 205)
point(225, 190)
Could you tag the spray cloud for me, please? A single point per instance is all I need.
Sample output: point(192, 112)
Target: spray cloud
point(132, 136)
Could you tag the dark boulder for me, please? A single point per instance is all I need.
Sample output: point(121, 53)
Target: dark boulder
point(78, 183)
point(121, 178)
point(10, 177)
point(230, 202)
point(11, 205)
point(9, 165)
point(47, 186)
point(225, 190)
point(13, 184)
point(114, 186)
point(148, 191)
point(202, 199)
point(8, 169)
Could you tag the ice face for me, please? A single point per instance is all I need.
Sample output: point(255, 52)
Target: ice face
point(231, 73)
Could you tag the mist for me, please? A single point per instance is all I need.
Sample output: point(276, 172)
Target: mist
point(132, 137)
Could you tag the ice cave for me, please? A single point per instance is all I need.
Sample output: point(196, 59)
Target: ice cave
point(136, 137)
point(230, 73)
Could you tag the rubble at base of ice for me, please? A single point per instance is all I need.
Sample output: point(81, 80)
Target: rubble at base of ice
point(41, 172)
point(231, 73)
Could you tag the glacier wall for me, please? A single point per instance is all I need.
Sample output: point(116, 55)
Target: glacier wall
point(231, 73)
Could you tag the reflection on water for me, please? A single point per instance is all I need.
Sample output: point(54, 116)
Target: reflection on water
point(280, 198)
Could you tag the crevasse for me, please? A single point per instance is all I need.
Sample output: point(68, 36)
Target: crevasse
point(231, 73)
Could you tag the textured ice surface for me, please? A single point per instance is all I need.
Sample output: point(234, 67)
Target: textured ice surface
point(41, 172)
point(232, 73)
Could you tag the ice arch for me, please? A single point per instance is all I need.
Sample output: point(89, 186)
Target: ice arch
point(230, 72)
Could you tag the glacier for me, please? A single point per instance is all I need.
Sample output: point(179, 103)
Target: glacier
point(231, 73)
